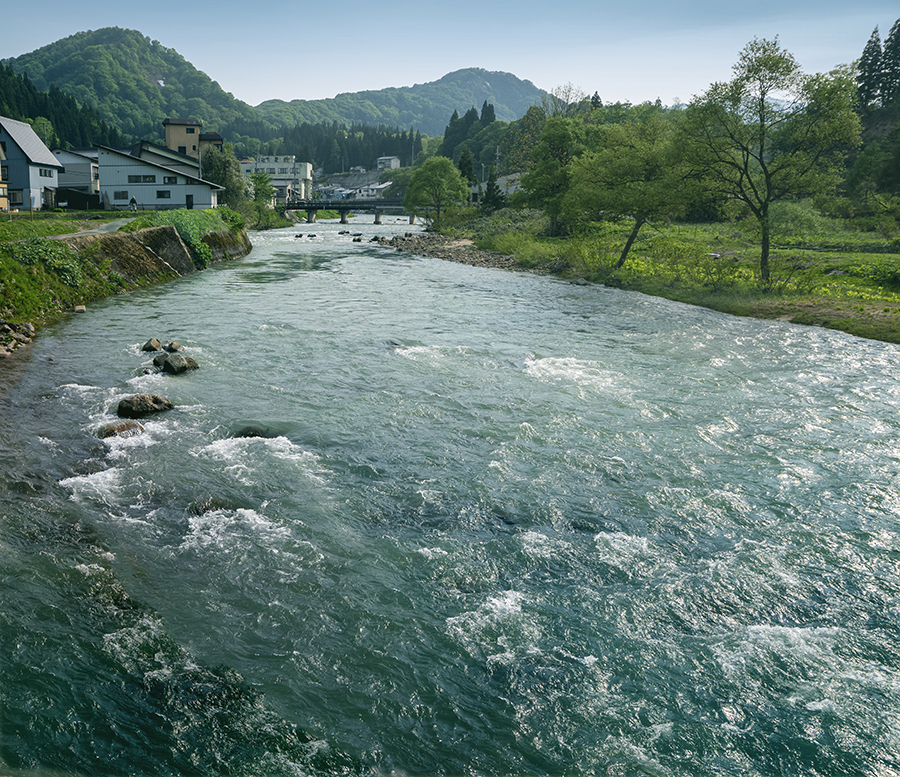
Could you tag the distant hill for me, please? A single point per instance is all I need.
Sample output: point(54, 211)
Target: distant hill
point(133, 83)
point(425, 107)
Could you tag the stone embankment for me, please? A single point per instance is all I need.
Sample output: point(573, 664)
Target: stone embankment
point(13, 336)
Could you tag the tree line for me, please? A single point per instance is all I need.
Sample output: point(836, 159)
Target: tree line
point(769, 134)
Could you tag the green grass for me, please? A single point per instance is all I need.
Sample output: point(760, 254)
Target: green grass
point(823, 272)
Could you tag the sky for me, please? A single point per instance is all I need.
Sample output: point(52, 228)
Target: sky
point(625, 50)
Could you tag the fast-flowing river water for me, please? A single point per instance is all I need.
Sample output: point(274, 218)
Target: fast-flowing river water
point(495, 524)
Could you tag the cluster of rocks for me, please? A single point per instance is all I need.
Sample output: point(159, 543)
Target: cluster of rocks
point(449, 249)
point(168, 359)
point(13, 336)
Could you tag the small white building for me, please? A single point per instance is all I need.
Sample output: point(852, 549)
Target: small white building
point(153, 186)
point(30, 171)
point(388, 163)
point(82, 172)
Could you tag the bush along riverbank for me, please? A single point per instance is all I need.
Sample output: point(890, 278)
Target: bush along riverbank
point(43, 277)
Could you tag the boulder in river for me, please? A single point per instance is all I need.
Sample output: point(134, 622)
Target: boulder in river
point(142, 405)
point(152, 345)
point(120, 429)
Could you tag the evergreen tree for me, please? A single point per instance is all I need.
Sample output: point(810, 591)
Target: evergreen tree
point(466, 165)
point(890, 66)
point(868, 75)
point(596, 102)
point(487, 114)
point(493, 197)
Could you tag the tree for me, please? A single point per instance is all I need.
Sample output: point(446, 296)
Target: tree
point(493, 197)
point(771, 133)
point(223, 168)
point(868, 77)
point(632, 172)
point(546, 184)
point(890, 66)
point(466, 165)
point(435, 188)
point(488, 115)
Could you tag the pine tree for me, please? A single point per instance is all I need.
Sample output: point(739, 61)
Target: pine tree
point(466, 165)
point(488, 115)
point(868, 75)
point(890, 67)
point(493, 198)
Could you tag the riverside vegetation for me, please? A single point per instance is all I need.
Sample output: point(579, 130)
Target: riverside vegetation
point(42, 277)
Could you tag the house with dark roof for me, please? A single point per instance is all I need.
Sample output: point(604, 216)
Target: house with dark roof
point(30, 170)
point(154, 186)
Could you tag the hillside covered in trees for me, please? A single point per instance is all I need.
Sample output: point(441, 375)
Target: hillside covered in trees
point(133, 83)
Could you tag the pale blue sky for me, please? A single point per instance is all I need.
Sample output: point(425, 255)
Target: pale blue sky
point(631, 50)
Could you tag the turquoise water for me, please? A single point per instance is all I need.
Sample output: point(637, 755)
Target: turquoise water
point(497, 524)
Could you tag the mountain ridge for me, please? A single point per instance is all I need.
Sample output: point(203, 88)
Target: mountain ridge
point(133, 83)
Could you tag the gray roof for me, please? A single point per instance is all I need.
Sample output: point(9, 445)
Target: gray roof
point(26, 139)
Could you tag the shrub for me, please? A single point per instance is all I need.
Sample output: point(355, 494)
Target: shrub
point(53, 254)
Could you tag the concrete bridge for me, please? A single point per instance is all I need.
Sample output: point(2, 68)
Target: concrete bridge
point(379, 207)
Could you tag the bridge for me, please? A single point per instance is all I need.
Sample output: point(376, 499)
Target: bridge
point(379, 207)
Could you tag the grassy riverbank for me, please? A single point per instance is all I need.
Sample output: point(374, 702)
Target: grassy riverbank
point(823, 273)
point(41, 278)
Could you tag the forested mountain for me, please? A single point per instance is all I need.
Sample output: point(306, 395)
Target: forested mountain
point(133, 83)
point(423, 106)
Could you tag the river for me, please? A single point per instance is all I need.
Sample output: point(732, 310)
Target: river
point(492, 524)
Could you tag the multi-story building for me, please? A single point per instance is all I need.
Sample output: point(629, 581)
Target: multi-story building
point(290, 179)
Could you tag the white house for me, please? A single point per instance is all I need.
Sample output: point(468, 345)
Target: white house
point(388, 163)
point(153, 186)
point(30, 171)
point(82, 172)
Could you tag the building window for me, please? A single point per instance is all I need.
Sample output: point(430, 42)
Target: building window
point(120, 195)
point(282, 170)
point(189, 130)
point(45, 173)
point(164, 194)
point(141, 179)
point(182, 149)
point(15, 198)
point(4, 173)
point(270, 170)
point(171, 179)
point(2, 191)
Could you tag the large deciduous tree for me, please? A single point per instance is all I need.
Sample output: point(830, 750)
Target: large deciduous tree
point(632, 171)
point(435, 188)
point(771, 133)
point(562, 140)
point(223, 168)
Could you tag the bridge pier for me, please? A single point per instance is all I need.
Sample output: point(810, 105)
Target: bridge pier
point(311, 216)
point(345, 217)
point(378, 214)
point(412, 218)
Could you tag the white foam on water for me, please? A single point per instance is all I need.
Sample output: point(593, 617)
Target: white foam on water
point(102, 486)
point(583, 374)
point(540, 545)
point(432, 553)
point(224, 529)
point(237, 454)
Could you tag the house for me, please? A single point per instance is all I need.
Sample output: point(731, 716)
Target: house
point(79, 183)
point(388, 163)
point(373, 191)
point(154, 186)
point(29, 170)
point(82, 172)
